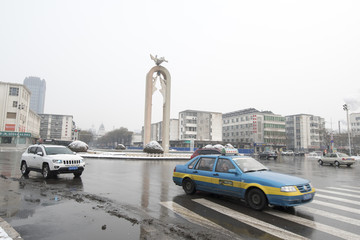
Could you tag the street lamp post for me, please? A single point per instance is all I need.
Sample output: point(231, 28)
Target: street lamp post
point(346, 108)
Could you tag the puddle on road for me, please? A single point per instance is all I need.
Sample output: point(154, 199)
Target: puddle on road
point(75, 221)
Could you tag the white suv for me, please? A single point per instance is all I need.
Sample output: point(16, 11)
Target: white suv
point(51, 160)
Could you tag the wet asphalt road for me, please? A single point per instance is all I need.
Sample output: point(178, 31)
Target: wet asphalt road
point(131, 199)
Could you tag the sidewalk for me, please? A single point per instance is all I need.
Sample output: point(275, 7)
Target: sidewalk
point(7, 232)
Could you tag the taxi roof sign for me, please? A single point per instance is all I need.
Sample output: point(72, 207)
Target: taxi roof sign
point(229, 151)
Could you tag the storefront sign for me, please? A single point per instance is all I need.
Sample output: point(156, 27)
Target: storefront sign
point(24, 134)
point(15, 134)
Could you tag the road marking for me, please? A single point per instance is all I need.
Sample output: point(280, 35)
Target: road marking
point(196, 218)
point(256, 223)
point(338, 199)
point(338, 193)
point(329, 215)
point(352, 187)
point(336, 206)
point(343, 189)
point(315, 225)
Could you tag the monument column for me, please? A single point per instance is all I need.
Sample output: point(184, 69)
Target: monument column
point(163, 75)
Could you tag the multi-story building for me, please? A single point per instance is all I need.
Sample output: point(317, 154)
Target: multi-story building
point(305, 132)
point(18, 124)
point(252, 128)
point(200, 125)
point(57, 127)
point(355, 124)
point(156, 131)
point(37, 88)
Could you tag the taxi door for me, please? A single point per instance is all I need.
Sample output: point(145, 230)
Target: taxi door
point(202, 173)
point(225, 182)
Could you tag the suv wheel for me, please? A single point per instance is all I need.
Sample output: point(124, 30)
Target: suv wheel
point(24, 168)
point(77, 174)
point(46, 171)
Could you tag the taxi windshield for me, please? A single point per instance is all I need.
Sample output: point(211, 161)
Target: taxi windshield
point(248, 164)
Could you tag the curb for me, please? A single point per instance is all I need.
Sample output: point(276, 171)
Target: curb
point(7, 232)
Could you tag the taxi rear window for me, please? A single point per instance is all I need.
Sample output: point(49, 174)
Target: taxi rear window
point(191, 165)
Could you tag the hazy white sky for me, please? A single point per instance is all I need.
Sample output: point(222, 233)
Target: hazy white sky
point(288, 57)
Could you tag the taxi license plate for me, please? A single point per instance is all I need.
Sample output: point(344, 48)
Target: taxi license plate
point(307, 196)
point(73, 168)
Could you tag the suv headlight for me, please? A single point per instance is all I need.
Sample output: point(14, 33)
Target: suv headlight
point(57, 161)
point(288, 189)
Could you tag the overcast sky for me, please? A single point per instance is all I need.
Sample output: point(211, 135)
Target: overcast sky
point(288, 57)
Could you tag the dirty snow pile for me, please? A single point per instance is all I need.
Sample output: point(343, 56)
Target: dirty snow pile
point(153, 147)
point(78, 146)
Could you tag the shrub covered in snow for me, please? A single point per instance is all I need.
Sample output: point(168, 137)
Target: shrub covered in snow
point(229, 145)
point(120, 147)
point(153, 147)
point(78, 146)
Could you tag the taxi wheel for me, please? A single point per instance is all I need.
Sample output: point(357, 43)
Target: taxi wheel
point(256, 199)
point(188, 186)
point(337, 163)
point(320, 162)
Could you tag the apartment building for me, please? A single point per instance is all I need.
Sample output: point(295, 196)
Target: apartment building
point(200, 125)
point(58, 127)
point(355, 124)
point(18, 124)
point(250, 127)
point(305, 132)
point(37, 88)
point(156, 131)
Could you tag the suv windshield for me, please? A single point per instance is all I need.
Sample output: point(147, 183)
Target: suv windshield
point(57, 150)
point(249, 164)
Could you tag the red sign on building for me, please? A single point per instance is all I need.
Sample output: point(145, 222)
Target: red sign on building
point(9, 127)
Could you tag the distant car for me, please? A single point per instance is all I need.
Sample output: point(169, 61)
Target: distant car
point(51, 160)
point(288, 153)
point(337, 159)
point(205, 151)
point(299, 153)
point(315, 155)
point(242, 177)
point(268, 154)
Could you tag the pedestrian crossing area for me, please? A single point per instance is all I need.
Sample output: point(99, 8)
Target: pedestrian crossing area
point(333, 214)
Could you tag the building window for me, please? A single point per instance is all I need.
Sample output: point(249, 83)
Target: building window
point(11, 115)
point(14, 91)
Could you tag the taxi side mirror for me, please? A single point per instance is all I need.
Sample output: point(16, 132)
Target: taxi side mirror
point(40, 153)
point(233, 171)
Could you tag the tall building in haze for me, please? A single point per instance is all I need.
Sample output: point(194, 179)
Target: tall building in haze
point(37, 88)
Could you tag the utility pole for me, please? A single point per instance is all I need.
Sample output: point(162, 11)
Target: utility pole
point(346, 108)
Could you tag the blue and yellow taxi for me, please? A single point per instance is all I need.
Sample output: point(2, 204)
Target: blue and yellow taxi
point(243, 177)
